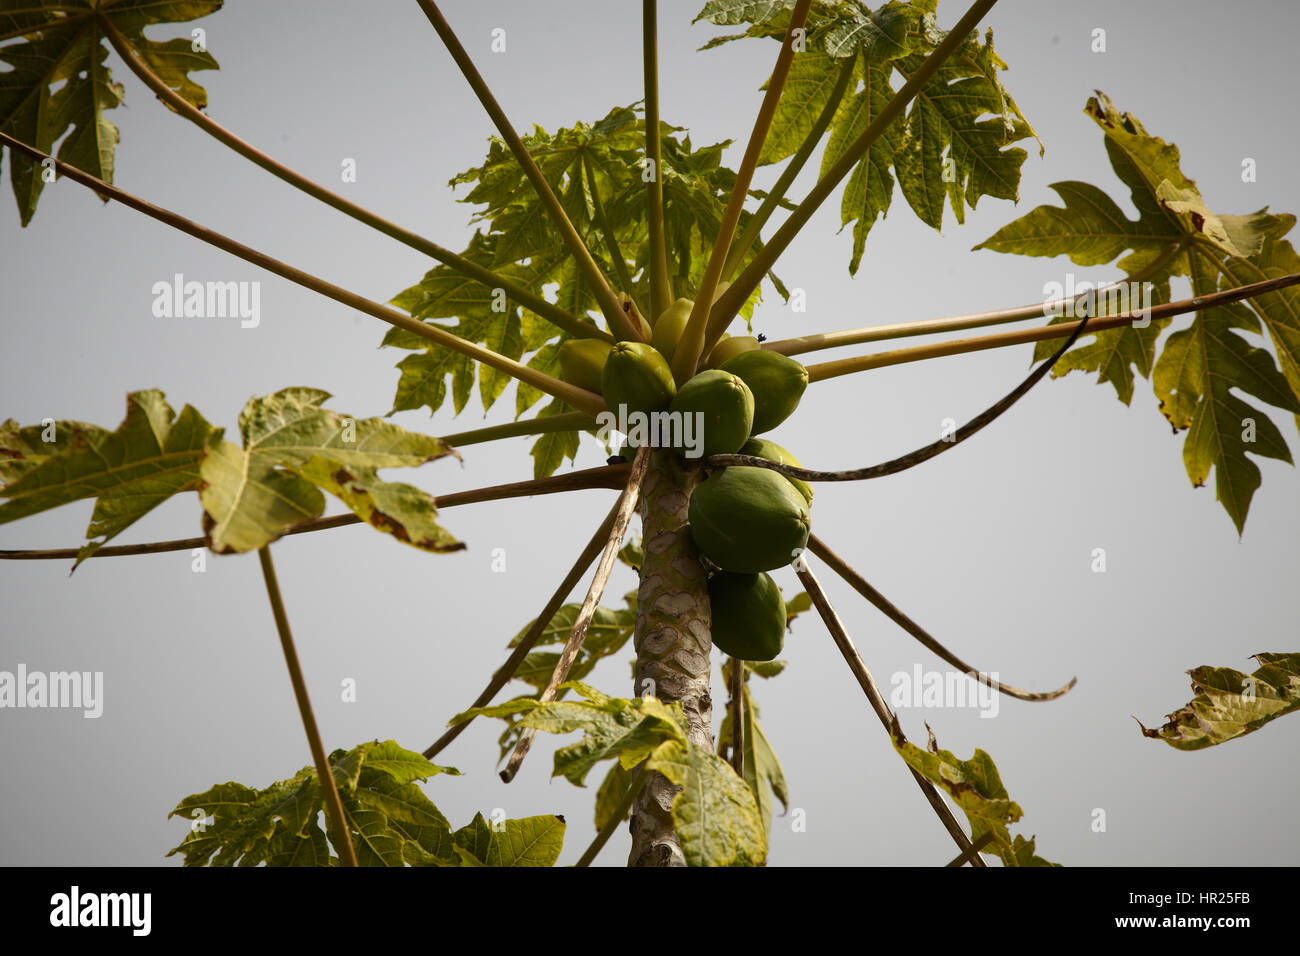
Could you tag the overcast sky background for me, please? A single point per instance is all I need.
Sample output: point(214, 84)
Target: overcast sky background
point(989, 547)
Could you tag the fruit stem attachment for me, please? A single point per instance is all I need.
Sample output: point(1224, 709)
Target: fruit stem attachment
point(579, 398)
point(547, 310)
point(586, 265)
point(661, 293)
point(690, 345)
point(622, 518)
point(324, 773)
point(872, 691)
point(728, 306)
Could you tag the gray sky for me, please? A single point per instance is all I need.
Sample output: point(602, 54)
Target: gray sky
point(989, 547)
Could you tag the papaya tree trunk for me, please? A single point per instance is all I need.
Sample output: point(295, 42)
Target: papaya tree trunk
point(672, 644)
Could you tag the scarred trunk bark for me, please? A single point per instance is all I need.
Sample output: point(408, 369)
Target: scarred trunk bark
point(672, 644)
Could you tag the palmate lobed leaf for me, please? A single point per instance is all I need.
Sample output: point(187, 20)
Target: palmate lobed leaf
point(951, 148)
point(292, 448)
point(59, 83)
point(518, 241)
point(1201, 370)
point(154, 454)
point(975, 786)
point(715, 814)
point(390, 819)
point(1229, 704)
point(251, 495)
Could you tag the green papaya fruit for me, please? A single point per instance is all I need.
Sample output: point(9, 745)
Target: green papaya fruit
point(748, 615)
point(777, 381)
point(668, 327)
point(637, 378)
point(762, 448)
point(729, 347)
point(582, 361)
point(748, 520)
point(727, 408)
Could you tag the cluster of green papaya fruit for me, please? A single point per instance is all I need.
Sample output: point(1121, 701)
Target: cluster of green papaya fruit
point(746, 521)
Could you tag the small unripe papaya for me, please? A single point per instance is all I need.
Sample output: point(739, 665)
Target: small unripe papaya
point(729, 347)
point(762, 448)
point(668, 327)
point(637, 378)
point(748, 615)
point(777, 381)
point(748, 520)
point(582, 361)
point(727, 406)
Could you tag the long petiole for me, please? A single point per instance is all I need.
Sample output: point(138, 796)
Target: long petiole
point(690, 345)
point(661, 294)
point(607, 476)
point(324, 773)
point(579, 398)
point(1165, 310)
point(547, 310)
point(587, 267)
point(602, 223)
point(877, 700)
point(973, 320)
point(542, 621)
point(749, 235)
point(730, 302)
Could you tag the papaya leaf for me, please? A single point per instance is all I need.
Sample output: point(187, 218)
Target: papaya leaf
point(58, 83)
point(954, 144)
point(976, 788)
point(153, 455)
point(715, 815)
point(530, 841)
point(234, 825)
point(762, 768)
point(1201, 368)
point(292, 447)
point(22, 448)
point(613, 727)
point(1229, 704)
point(610, 794)
point(518, 241)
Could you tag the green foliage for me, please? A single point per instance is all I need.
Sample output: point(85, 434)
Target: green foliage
point(762, 767)
point(954, 144)
point(1176, 234)
point(59, 83)
point(975, 786)
point(251, 496)
point(1229, 704)
point(715, 815)
point(585, 164)
point(390, 820)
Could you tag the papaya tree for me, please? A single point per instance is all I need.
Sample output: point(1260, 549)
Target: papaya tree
point(613, 277)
